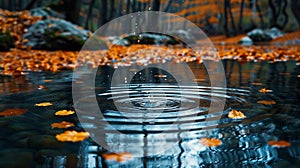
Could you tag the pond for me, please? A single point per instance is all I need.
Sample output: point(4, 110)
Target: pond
point(151, 107)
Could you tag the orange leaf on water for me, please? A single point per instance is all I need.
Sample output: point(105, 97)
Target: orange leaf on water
point(236, 114)
point(44, 104)
point(13, 112)
point(266, 102)
point(210, 142)
point(72, 136)
point(63, 124)
point(119, 157)
point(279, 144)
point(264, 90)
point(64, 112)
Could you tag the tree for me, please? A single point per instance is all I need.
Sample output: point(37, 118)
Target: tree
point(72, 10)
point(295, 6)
point(241, 16)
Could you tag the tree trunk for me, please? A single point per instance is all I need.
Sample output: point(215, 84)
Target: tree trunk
point(286, 16)
point(10, 5)
point(231, 17)
point(274, 16)
point(295, 5)
point(226, 18)
point(112, 9)
point(103, 12)
point(72, 10)
point(155, 5)
point(128, 6)
point(262, 23)
point(30, 5)
point(166, 9)
point(89, 15)
point(241, 16)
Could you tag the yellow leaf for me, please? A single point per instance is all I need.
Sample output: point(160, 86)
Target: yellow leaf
point(44, 104)
point(210, 142)
point(236, 114)
point(64, 112)
point(72, 136)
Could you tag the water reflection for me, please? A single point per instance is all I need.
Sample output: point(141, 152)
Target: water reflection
point(244, 142)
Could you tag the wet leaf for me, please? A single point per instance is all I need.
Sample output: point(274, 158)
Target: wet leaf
point(63, 124)
point(64, 112)
point(266, 102)
point(279, 144)
point(72, 136)
point(119, 157)
point(235, 114)
point(210, 142)
point(43, 104)
point(41, 87)
point(264, 90)
point(13, 112)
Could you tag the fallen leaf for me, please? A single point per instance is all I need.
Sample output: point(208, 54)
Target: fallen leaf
point(72, 136)
point(279, 144)
point(266, 102)
point(41, 87)
point(64, 112)
point(236, 114)
point(210, 142)
point(44, 104)
point(264, 90)
point(119, 157)
point(13, 112)
point(63, 124)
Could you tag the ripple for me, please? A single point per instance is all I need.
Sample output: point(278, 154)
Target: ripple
point(154, 108)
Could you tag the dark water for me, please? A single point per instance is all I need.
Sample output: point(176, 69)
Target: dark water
point(153, 117)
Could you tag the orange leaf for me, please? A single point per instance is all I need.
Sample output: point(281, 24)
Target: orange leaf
point(63, 124)
point(72, 136)
point(266, 102)
point(119, 157)
point(44, 104)
point(210, 142)
point(64, 112)
point(236, 114)
point(280, 143)
point(13, 112)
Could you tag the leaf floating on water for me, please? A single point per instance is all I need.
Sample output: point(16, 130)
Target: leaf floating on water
point(236, 114)
point(41, 87)
point(44, 104)
point(13, 112)
point(279, 144)
point(72, 136)
point(119, 157)
point(257, 83)
point(266, 102)
point(63, 124)
point(210, 142)
point(47, 80)
point(64, 112)
point(264, 90)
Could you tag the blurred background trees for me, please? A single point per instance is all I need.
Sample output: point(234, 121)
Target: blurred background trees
point(229, 17)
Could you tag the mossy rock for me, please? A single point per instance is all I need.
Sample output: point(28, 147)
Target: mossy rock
point(258, 35)
point(45, 12)
point(57, 34)
point(151, 39)
point(6, 41)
